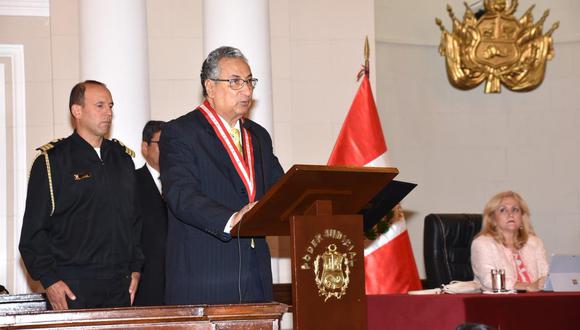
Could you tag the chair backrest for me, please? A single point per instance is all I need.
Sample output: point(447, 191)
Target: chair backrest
point(447, 247)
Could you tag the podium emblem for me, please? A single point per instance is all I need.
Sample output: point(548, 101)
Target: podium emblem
point(332, 272)
point(330, 255)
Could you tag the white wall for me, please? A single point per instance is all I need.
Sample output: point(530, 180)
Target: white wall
point(462, 147)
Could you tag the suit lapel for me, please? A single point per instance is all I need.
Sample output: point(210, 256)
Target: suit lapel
point(258, 161)
point(221, 157)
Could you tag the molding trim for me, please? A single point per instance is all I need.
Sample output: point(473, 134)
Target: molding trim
point(16, 55)
point(4, 234)
point(25, 8)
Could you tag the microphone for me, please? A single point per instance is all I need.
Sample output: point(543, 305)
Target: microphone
point(239, 263)
point(256, 141)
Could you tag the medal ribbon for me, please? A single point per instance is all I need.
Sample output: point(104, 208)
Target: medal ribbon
point(244, 165)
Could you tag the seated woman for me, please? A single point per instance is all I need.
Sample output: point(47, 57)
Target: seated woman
point(507, 241)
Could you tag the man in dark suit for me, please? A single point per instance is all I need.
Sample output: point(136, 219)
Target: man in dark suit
point(154, 214)
point(211, 177)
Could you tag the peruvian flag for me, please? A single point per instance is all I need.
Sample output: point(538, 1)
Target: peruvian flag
point(389, 263)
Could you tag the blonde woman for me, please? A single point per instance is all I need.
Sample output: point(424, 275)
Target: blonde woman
point(507, 241)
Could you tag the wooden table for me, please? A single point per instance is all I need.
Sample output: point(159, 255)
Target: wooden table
point(25, 313)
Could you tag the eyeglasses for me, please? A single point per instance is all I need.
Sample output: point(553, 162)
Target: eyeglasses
point(239, 83)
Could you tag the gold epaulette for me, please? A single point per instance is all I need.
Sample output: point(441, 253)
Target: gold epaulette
point(48, 146)
point(44, 151)
point(128, 150)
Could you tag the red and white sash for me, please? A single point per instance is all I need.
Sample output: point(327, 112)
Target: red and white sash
point(244, 163)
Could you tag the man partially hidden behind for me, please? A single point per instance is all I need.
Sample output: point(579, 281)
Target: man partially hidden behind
point(154, 215)
point(81, 228)
point(212, 175)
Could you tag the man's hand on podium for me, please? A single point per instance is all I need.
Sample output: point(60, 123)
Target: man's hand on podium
point(240, 214)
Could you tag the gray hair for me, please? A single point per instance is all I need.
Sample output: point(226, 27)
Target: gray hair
point(210, 68)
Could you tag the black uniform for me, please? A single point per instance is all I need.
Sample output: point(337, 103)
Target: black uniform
point(81, 221)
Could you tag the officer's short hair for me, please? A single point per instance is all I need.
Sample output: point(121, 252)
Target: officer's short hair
point(152, 127)
point(210, 68)
point(77, 94)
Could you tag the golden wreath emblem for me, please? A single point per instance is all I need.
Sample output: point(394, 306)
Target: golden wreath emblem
point(330, 255)
point(496, 47)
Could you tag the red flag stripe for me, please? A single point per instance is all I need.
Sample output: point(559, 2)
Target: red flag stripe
point(361, 138)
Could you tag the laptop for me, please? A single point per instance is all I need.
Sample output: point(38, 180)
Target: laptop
point(564, 273)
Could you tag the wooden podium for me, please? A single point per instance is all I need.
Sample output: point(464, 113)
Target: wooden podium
point(317, 206)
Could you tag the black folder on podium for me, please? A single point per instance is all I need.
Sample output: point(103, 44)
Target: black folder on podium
point(384, 202)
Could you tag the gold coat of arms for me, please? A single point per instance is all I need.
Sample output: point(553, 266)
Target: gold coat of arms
point(497, 48)
point(332, 271)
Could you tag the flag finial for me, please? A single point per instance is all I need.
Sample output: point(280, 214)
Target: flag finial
point(367, 55)
point(365, 69)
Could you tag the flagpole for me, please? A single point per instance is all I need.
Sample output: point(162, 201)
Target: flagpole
point(367, 55)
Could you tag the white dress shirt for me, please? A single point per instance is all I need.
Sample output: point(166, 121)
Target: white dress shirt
point(155, 175)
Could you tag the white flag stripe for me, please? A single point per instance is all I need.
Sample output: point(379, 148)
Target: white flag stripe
point(381, 161)
point(395, 229)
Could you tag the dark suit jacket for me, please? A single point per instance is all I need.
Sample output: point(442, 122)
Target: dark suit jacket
point(203, 190)
point(151, 289)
